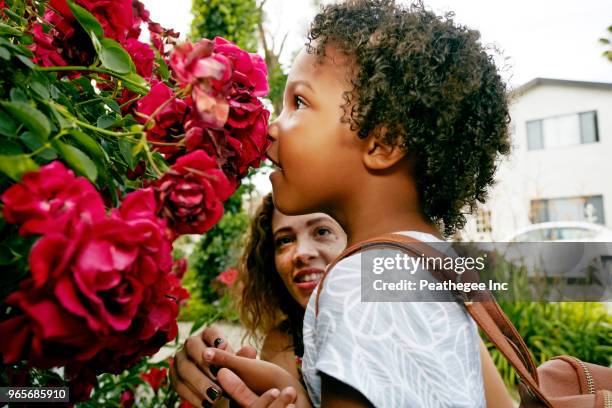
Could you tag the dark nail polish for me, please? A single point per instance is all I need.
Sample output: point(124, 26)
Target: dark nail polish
point(218, 341)
point(212, 393)
point(214, 370)
point(206, 404)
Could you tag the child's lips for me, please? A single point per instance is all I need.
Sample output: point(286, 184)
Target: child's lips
point(277, 165)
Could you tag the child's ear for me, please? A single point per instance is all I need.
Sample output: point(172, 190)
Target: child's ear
point(379, 155)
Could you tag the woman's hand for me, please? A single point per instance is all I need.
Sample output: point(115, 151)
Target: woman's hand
point(194, 379)
point(245, 378)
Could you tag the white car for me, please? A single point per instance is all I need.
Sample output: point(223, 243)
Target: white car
point(573, 231)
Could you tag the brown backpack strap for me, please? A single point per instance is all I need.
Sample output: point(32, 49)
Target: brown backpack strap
point(484, 309)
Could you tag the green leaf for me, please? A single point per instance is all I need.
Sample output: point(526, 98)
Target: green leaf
point(7, 29)
point(114, 57)
point(111, 103)
point(40, 90)
point(18, 95)
point(87, 20)
point(10, 148)
point(34, 142)
point(8, 127)
point(106, 121)
point(5, 54)
point(26, 61)
point(89, 144)
point(136, 83)
point(77, 160)
point(31, 117)
point(125, 147)
point(162, 67)
point(16, 166)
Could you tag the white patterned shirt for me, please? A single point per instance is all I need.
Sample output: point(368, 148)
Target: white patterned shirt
point(396, 354)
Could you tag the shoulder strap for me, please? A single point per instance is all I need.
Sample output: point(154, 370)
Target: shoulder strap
point(483, 308)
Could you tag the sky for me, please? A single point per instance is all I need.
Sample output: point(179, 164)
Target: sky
point(537, 38)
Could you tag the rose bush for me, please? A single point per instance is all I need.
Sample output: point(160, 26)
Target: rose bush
point(110, 148)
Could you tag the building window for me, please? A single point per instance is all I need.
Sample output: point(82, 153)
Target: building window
point(566, 130)
point(588, 209)
point(483, 221)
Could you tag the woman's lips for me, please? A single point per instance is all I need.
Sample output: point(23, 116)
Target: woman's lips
point(308, 279)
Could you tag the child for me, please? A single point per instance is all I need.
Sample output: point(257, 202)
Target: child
point(393, 121)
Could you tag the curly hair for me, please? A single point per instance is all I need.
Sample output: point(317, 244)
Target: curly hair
point(427, 84)
point(264, 303)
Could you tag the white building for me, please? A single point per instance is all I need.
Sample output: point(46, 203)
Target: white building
point(560, 168)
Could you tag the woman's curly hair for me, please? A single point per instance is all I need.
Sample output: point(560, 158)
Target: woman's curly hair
point(264, 303)
point(425, 83)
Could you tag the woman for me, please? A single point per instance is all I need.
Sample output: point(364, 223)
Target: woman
point(282, 262)
point(279, 268)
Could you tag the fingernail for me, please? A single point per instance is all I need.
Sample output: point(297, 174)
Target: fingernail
point(208, 355)
point(212, 393)
point(218, 341)
point(214, 370)
point(275, 393)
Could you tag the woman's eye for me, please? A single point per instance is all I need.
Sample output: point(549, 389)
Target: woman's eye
point(299, 102)
point(323, 231)
point(282, 241)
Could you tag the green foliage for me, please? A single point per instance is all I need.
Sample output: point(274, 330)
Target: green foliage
point(607, 42)
point(234, 20)
point(580, 329)
point(110, 388)
point(217, 250)
point(277, 79)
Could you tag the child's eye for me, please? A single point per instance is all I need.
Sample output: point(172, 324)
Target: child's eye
point(299, 102)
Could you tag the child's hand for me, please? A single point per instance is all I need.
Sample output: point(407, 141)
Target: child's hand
point(195, 380)
point(244, 397)
point(250, 377)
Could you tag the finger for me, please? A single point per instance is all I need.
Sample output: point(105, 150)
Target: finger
point(247, 351)
point(287, 396)
point(214, 337)
point(191, 375)
point(256, 371)
point(266, 399)
point(184, 391)
point(194, 347)
point(236, 388)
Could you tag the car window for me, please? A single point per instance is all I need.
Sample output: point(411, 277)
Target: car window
point(533, 236)
point(571, 233)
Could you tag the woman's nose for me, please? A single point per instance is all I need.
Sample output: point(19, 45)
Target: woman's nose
point(304, 252)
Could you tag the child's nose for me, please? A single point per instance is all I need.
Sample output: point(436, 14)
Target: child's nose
point(272, 152)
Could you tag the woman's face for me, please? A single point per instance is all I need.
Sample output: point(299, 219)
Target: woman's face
point(304, 245)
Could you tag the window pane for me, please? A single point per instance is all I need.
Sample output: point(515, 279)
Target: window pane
point(535, 140)
point(594, 210)
point(539, 211)
point(561, 131)
point(588, 127)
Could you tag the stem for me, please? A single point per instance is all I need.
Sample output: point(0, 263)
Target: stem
point(47, 145)
point(92, 69)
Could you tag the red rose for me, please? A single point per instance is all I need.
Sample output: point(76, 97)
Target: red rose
point(249, 70)
point(155, 377)
point(142, 55)
point(127, 399)
point(228, 277)
point(48, 199)
point(209, 74)
point(115, 16)
point(191, 193)
point(102, 294)
point(170, 112)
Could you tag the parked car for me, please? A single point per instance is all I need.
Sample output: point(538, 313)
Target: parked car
point(574, 231)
